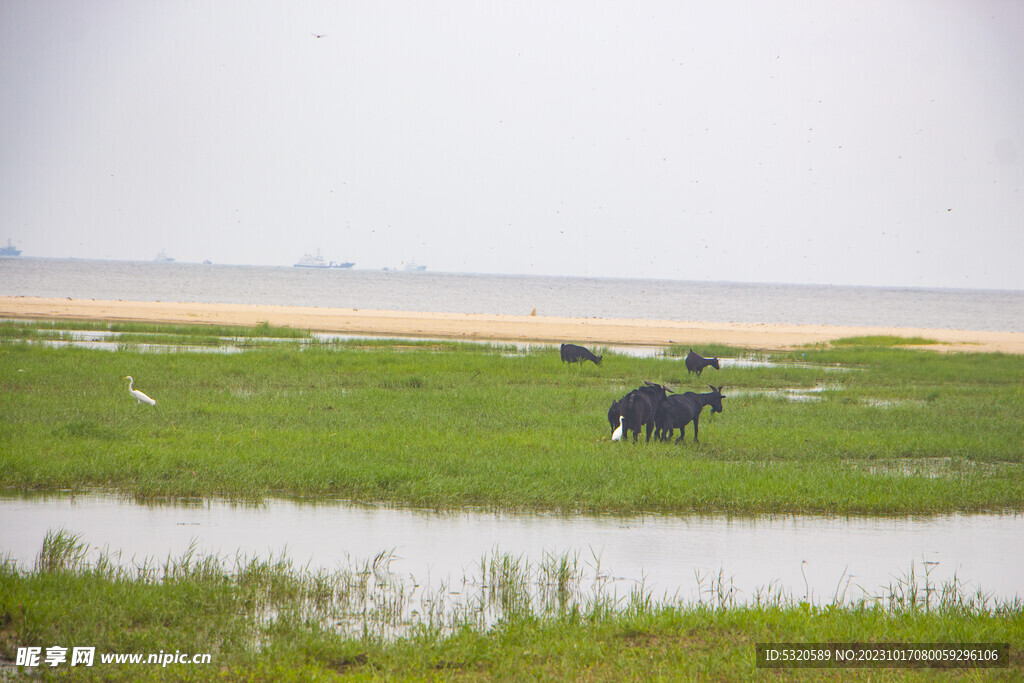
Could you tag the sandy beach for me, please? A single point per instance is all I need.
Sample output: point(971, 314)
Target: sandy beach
point(470, 326)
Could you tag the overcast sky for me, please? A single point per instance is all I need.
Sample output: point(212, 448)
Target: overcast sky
point(871, 142)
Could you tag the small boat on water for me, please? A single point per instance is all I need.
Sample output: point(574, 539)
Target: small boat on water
point(162, 257)
point(318, 261)
point(10, 249)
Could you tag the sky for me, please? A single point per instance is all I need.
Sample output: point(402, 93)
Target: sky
point(849, 142)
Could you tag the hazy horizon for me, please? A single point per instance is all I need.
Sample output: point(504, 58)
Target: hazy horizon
point(432, 271)
point(861, 143)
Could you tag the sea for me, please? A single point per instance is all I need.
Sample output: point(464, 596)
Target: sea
point(580, 297)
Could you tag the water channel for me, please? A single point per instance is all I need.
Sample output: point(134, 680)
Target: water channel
point(671, 557)
point(106, 340)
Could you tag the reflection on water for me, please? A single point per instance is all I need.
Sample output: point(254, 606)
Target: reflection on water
point(671, 556)
point(795, 395)
point(143, 348)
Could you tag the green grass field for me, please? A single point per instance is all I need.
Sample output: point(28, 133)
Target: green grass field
point(859, 428)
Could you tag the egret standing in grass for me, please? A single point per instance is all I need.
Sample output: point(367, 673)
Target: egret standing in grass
point(136, 394)
point(617, 434)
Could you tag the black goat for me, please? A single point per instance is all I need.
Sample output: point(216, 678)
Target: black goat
point(697, 363)
point(679, 409)
point(613, 414)
point(577, 354)
point(638, 409)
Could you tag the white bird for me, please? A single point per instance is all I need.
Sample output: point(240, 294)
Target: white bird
point(136, 394)
point(617, 434)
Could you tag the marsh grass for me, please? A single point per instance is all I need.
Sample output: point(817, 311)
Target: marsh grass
point(448, 424)
point(139, 337)
point(19, 329)
point(708, 351)
point(61, 551)
point(883, 340)
point(512, 619)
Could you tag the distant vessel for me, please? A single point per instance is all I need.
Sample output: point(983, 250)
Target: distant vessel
point(162, 257)
point(410, 267)
point(318, 261)
point(10, 249)
point(207, 262)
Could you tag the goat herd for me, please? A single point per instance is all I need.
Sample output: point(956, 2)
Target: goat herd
point(651, 407)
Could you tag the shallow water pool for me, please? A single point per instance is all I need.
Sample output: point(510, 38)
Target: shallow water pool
point(803, 557)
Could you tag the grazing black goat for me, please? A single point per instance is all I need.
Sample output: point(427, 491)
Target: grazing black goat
point(577, 354)
point(638, 409)
point(679, 409)
point(697, 363)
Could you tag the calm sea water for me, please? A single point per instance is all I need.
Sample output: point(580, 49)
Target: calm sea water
point(515, 294)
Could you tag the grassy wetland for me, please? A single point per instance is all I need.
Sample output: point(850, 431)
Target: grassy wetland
point(865, 426)
point(269, 620)
point(860, 428)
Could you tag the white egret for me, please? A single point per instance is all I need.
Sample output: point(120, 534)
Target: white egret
point(617, 434)
point(136, 394)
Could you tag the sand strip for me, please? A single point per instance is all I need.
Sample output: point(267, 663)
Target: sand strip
point(474, 326)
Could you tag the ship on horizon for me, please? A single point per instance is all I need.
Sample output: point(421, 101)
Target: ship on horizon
point(10, 249)
point(318, 261)
point(162, 257)
point(410, 267)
